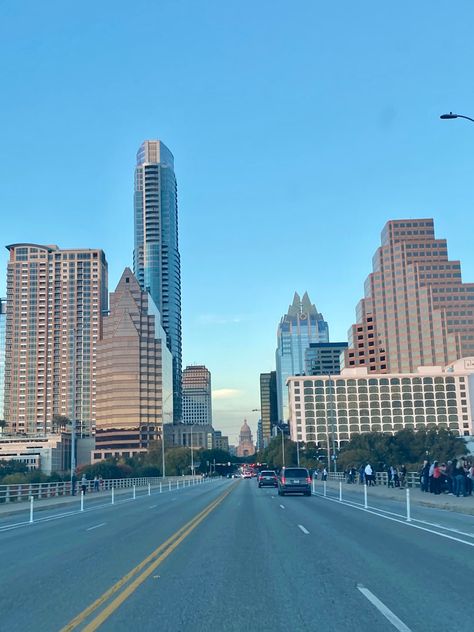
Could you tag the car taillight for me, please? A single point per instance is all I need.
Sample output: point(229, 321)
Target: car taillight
point(283, 480)
point(308, 480)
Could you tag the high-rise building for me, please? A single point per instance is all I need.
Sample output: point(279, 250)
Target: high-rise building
point(416, 310)
point(268, 406)
point(156, 260)
point(246, 446)
point(302, 325)
point(196, 395)
point(3, 324)
point(134, 373)
point(55, 302)
point(358, 401)
point(324, 358)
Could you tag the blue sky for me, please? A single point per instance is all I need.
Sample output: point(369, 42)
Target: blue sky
point(297, 128)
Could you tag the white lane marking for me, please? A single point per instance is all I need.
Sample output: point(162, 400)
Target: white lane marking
point(407, 524)
point(282, 506)
point(305, 531)
point(152, 506)
point(382, 608)
point(97, 526)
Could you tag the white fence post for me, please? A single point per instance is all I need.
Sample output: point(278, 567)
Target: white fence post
point(31, 508)
point(324, 485)
point(161, 488)
point(177, 484)
point(113, 495)
point(134, 492)
point(408, 506)
point(170, 485)
point(365, 496)
point(314, 485)
point(149, 489)
point(82, 500)
point(340, 491)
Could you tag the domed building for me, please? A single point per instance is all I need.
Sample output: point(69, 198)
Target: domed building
point(246, 446)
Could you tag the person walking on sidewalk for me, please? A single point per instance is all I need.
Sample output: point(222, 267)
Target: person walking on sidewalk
point(368, 475)
point(459, 479)
point(83, 484)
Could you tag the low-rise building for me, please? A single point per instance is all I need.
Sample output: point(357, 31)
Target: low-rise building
point(187, 435)
point(48, 453)
point(357, 402)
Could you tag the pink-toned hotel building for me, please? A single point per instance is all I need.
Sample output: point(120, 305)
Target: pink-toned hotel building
point(416, 310)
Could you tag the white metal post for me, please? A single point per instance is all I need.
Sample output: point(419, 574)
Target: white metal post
point(314, 485)
point(170, 485)
point(177, 484)
point(134, 492)
point(82, 500)
point(365, 496)
point(324, 482)
point(340, 491)
point(161, 488)
point(149, 489)
point(31, 508)
point(408, 506)
point(113, 495)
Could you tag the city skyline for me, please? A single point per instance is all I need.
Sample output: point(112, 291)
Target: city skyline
point(296, 136)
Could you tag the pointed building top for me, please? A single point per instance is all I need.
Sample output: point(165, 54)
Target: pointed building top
point(302, 306)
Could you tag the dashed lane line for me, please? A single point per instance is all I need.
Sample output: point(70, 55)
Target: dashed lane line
point(96, 526)
point(382, 608)
point(305, 531)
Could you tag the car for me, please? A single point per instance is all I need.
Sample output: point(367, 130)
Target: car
point(294, 480)
point(267, 478)
point(246, 474)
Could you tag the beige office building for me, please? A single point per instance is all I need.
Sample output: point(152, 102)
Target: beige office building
point(134, 374)
point(358, 401)
point(416, 309)
point(53, 324)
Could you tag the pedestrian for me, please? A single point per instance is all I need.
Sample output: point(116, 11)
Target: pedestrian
point(430, 477)
point(424, 476)
point(436, 478)
point(361, 475)
point(459, 479)
point(368, 472)
point(96, 483)
point(402, 474)
point(101, 483)
point(324, 475)
point(83, 484)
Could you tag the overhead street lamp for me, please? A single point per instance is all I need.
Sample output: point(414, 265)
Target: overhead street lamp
point(451, 115)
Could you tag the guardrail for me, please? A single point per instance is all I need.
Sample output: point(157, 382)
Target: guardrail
point(24, 491)
point(412, 479)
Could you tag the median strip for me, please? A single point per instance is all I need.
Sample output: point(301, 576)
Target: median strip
point(140, 573)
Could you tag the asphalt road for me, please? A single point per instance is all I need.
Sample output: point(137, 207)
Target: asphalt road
point(228, 556)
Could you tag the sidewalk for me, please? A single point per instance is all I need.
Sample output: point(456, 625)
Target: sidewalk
point(18, 507)
point(425, 499)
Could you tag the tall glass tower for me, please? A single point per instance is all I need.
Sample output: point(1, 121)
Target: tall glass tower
point(302, 325)
point(156, 261)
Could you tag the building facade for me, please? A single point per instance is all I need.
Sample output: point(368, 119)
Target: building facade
point(268, 406)
point(3, 325)
point(324, 358)
point(134, 373)
point(156, 259)
point(301, 325)
point(196, 395)
point(221, 442)
point(55, 302)
point(196, 436)
point(416, 310)
point(246, 446)
point(358, 401)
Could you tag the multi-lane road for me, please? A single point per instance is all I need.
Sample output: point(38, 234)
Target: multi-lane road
point(230, 556)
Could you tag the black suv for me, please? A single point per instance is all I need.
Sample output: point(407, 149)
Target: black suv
point(294, 480)
point(267, 478)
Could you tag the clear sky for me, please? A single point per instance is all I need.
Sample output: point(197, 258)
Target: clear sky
point(298, 129)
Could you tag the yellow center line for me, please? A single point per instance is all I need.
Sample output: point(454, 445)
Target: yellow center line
point(168, 547)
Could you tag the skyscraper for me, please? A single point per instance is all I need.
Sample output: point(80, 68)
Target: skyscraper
point(134, 373)
point(324, 358)
point(3, 323)
point(197, 399)
point(416, 310)
point(302, 325)
point(55, 303)
point(268, 406)
point(156, 260)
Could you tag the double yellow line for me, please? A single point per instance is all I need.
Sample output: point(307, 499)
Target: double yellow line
point(141, 572)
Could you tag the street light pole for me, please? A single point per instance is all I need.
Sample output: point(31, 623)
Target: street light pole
point(282, 445)
point(455, 116)
point(73, 411)
point(331, 411)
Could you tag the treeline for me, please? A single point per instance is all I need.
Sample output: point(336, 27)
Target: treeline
point(405, 447)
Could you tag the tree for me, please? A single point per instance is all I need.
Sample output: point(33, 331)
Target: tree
point(178, 461)
point(3, 425)
point(59, 423)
